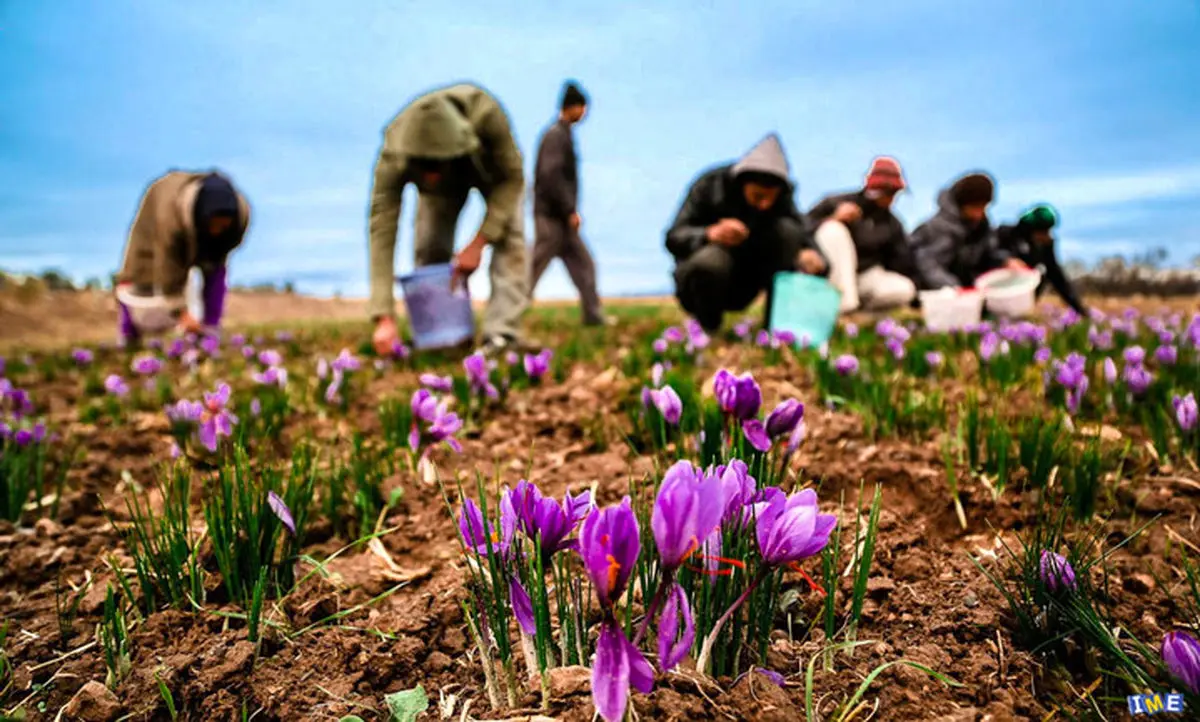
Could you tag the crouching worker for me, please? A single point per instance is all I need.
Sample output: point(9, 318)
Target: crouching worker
point(870, 261)
point(737, 228)
point(958, 244)
point(1030, 241)
point(185, 221)
point(447, 142)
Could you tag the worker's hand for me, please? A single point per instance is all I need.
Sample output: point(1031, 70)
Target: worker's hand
point(847, 213)
point(386, 335)
point(467, 261)
point(576, 221)
point(727, 232)
point(189, 324)
point(810, 262)
point(1016, 264)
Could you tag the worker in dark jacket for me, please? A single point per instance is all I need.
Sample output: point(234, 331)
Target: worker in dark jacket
point(958, 244)
point(555, 213)
point(1030, 240)
point(870, 261)
point(737, 228)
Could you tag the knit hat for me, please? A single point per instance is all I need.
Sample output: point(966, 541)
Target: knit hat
point(572, 95)
point(1041, 217)
point(884, 175)
point(973, 189)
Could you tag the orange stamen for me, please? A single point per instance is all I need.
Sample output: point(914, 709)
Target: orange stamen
point(795, 566)
point(717, 572)
point(614, 568)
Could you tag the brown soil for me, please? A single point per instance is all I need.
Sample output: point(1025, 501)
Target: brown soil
point(928, 603)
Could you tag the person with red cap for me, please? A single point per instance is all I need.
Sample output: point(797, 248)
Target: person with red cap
point(958, 244)
point(870, 261)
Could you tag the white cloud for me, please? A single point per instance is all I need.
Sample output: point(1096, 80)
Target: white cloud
point(1101, 190)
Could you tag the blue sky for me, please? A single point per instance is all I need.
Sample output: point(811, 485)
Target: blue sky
point(1089, 105)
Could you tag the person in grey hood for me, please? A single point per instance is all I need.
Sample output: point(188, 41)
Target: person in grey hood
point(958, 244)
point(737, 228)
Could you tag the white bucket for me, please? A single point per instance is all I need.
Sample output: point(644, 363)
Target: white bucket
point(1009, 292)
point(948, 309)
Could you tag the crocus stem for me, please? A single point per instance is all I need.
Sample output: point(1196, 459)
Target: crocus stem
point(489, 673)
point(711, 639)
point(659, 594)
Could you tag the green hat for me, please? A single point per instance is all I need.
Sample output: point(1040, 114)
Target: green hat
point(1040, 218)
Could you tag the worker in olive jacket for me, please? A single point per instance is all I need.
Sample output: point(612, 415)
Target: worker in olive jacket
point(186, 220)
point(870, 261)
point(447, 142)
point(737, 228)
point(1031, 241)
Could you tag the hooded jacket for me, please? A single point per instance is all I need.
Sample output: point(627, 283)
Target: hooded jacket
point(1017, 240)
point(879, 237)
point(164, 241)
point(948, 252)
point(459, 122)
point(717, 194)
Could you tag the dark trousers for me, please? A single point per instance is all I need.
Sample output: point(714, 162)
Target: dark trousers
point(555, 238)
point(716, 279)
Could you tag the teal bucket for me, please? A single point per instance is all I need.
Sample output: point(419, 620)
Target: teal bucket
point(440, 315)
point(807, 306)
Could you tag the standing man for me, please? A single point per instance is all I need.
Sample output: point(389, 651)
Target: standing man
point(555, 210)
point(870, 261)
point(447, 142)
point(1031, 241)
point(737, 228)
point(958, 244)
point(186, 220)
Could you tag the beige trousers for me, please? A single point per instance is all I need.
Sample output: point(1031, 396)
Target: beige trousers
point(437, 219)
point(874, 289)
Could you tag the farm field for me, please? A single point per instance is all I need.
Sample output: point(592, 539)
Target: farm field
point(280, 526)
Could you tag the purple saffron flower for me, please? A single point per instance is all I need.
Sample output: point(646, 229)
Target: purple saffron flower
point(255, 407)
point(272, 376)
point(116, 386)
point(756, 434)
point(522, 606)
point(851, 330)
point(185, 412)
point(784, 418)
point(1056, 572)
point(579, 506)
point(210, 345)
point(333, 390)
point(1042, 355)
point(281, 511)
point(1166, 355)
point(248, 352)
point(478, 533)
point(792, 528)
point(738, 489)
point(935, 359)
point(989, 346)
point(322, 368)
point(270, 357)
point(896, 348)
point(764, 338)
point(688, 507)
point(1100, 340)
point(400, 351)
point(1186, 412)
point(346, 361)
point(176, 349)
point(673, 646)
point(283, 336)
point(656, 374)
point(618, 666)
point(659, 346)
point(737, 395)
point(1181, 652)
point(237, 339)
point(443, 384)
point(673, 335)
point(609, 544)
point(479, 375)
point(146, 365)
point(541, 518)
point(537, 365)
point(82, 356)
point(512, 358)
point(1110, 371)
point(1135, 356)
point(424, 405)
point(846, 365)
point(742, 330)
point(217, 420)
point(668, 404)
point(1137, 378)
point(22, 437)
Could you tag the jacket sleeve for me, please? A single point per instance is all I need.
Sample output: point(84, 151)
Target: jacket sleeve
point(688, 231)
point(550, 177)
point(503, 202)
point(822, 211)
point(387, 193)
point(900, 252)
point(795, 225)
point(933, 247)
point(997, 255)
point(1058, 279)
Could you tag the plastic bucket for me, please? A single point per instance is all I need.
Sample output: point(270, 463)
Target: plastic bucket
point(948, 309)
point(1009, 292)
point(151, 315)
point(439, 315)
point(805, 305)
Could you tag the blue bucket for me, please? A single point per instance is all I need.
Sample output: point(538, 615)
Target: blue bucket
point(805, 305)
point(440, 317)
